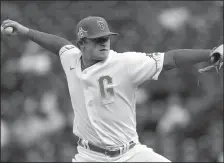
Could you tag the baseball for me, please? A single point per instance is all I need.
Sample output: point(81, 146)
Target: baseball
point(8, 30)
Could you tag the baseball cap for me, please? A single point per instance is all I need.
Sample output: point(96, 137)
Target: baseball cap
point(93, 27)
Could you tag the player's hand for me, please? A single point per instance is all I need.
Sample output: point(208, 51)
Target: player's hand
point(18, 29)
point(216, 57)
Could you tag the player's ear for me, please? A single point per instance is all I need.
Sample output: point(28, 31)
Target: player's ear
point(80, 44)
point(77, 44)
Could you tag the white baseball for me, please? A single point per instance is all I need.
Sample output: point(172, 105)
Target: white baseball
point(8, 30)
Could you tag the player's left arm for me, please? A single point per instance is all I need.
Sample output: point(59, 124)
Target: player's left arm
point(188, 57)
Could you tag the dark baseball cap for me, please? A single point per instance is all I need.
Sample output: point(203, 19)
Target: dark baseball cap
point(93, 27)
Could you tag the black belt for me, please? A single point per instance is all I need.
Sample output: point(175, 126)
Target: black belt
point(111, 153)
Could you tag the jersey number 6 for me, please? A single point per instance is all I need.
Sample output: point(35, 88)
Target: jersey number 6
point(106, 89)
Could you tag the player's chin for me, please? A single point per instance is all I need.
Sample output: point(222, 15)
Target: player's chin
point(102, 55)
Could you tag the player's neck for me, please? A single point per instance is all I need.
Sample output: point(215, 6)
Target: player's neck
point(85, 63)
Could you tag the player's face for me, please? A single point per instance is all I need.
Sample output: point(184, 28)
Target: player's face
point(98, 48)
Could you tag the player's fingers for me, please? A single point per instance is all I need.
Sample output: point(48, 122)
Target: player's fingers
point(6, 21)
point(9, 24)
point(206, 69)
point(4, 25)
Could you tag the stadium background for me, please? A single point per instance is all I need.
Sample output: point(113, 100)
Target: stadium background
point(180, 116)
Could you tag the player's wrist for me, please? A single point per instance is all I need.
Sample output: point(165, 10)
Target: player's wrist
point(25, 31)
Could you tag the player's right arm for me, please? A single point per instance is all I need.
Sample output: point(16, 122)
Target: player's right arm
point(50, 42)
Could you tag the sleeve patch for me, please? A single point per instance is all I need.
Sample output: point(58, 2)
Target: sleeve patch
point(66, 48)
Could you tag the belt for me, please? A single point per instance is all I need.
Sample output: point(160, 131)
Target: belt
point(111, 153)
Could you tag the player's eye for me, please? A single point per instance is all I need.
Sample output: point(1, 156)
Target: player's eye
point(101, 40)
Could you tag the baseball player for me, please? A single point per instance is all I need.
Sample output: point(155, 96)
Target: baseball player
point(102, 85)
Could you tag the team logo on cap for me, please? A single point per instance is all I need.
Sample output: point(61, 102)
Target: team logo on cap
point(82, 33)
point(101, 24)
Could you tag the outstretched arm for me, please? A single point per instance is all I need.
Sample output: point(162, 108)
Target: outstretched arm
point(50, 42)
point(183, 57)
point(188, 57)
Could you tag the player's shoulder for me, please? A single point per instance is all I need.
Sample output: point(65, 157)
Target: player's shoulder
point(123, 57)
point(133, 55)
point(129, 55)
point(116, 54)
point(69, 55)
point(69, 49)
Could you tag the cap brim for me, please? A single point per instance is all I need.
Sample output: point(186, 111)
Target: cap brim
point(103, 34)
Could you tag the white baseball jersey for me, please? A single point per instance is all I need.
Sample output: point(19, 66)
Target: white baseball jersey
point(103, 95)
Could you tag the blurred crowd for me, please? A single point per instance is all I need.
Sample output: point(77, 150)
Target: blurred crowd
point(180, 116)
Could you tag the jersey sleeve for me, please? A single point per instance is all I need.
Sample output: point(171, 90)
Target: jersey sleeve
point(144, 66)
point(67, 54)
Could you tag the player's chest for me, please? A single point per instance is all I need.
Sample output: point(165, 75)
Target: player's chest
point(100, 81)
point(98, 77)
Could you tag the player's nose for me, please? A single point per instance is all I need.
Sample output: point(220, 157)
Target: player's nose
point(103, 45)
